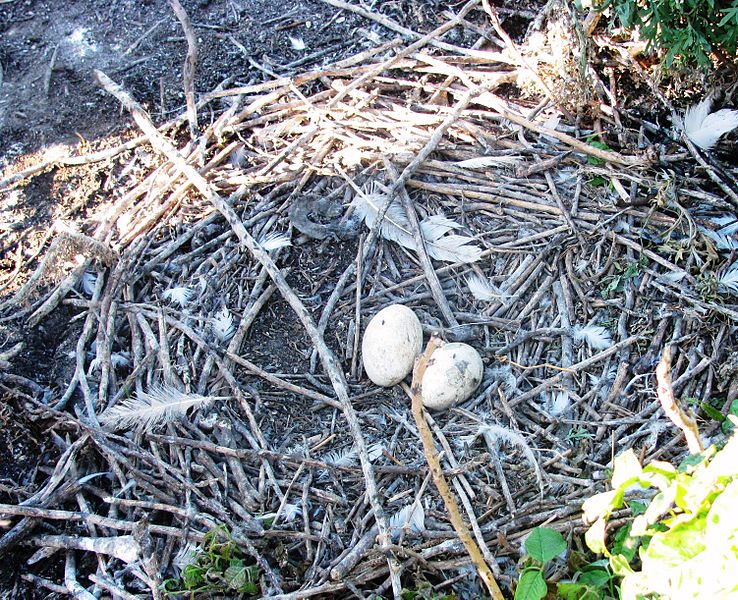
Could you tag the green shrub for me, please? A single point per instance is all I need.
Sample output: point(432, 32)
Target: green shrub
point(684, 543)
point(691, 31)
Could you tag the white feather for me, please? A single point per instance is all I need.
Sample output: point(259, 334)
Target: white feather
point(703, 128)
point(729, 280)
point(341, 458)
point(151, 409)
point(596, 337)
point(89, 280)
point(410, 518)
point(178, 295)
point(374, 451)
point(274, 241)
point(297, 43)
point(495, 434)
point(722, 240)
point(120, 359)
point(729, 228)
point(395, 227)
point(558, 403)
point(506, 377)
point(185, 556)
point(487, 161)
point(483, 289)
point(223, 324)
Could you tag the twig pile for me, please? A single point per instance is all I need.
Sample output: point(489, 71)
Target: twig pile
point(239, 414)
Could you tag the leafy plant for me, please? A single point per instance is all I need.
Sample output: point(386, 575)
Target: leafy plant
point(616, 282)
point(217, 566)
point(542, 545)
point(683, 545)
point(691, 31)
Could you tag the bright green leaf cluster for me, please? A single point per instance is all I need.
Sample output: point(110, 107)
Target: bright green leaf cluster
point(218, 567)
point(542, 545)
point(686, 539)
point(691, 31)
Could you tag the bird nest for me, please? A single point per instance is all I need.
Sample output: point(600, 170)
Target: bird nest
point(215, 391)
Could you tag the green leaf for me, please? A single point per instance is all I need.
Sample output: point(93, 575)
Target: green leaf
point(240, 577)
point(620, 565)
point(531, 586)
point(596, 578)
point(626, 469)
point(595, 537)
point(625, 544)
point(578, 591)
point(544, 544)
point(601, 504)
point(637, 507)
point(673, 547)
point(712, 412)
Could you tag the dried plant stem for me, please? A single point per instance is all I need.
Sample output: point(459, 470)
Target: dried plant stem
point(435, 468)
point(681, 418)
point(188, 69)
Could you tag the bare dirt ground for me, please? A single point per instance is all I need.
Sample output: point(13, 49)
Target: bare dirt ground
point(631, 261)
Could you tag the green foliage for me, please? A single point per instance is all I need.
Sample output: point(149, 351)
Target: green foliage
point(615, 283)
point(542, 545)
point(218, 567)
point(689, 30)
point(685, 543)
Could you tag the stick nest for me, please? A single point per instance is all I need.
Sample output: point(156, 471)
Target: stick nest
point(222, 363)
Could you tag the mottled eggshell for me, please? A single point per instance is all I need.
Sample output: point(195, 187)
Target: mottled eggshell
point(453, 373)
point(391, 342)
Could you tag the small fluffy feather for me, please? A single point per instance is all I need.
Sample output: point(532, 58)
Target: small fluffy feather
point(495, 434)
point(223, 324)
point(722, 240)
point(89, 280)
point(178, 295)
point(158, 406)
point(374, 451)
point(297, 43)
point(483, 289)
point(729, 280)
point(558, 403)
point(410, 518)
point(440, 243)
point(704, 128)
point(344, 457)
point(274, 241)
point(596, 337)
point(488, 161)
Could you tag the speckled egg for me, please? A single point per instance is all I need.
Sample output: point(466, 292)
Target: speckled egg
point(392, 341)
point(453, 373)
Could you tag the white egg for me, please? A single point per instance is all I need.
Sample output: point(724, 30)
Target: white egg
point(453, 373)
point(392, 341)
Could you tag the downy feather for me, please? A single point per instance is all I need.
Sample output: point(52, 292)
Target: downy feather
point(410, 517)
point(729, 280)
point(488, 161)
point(483, 289)
point(495, 434)
point(722, 240)
point(178, 295)
point(703, 128)
point(596, 337)
point(395, 227)
point(344, 457)
point(374, 451)
point(558, 403)
point(274, 241)
point(223, 324)
point(89, 280)
point(148, 410)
